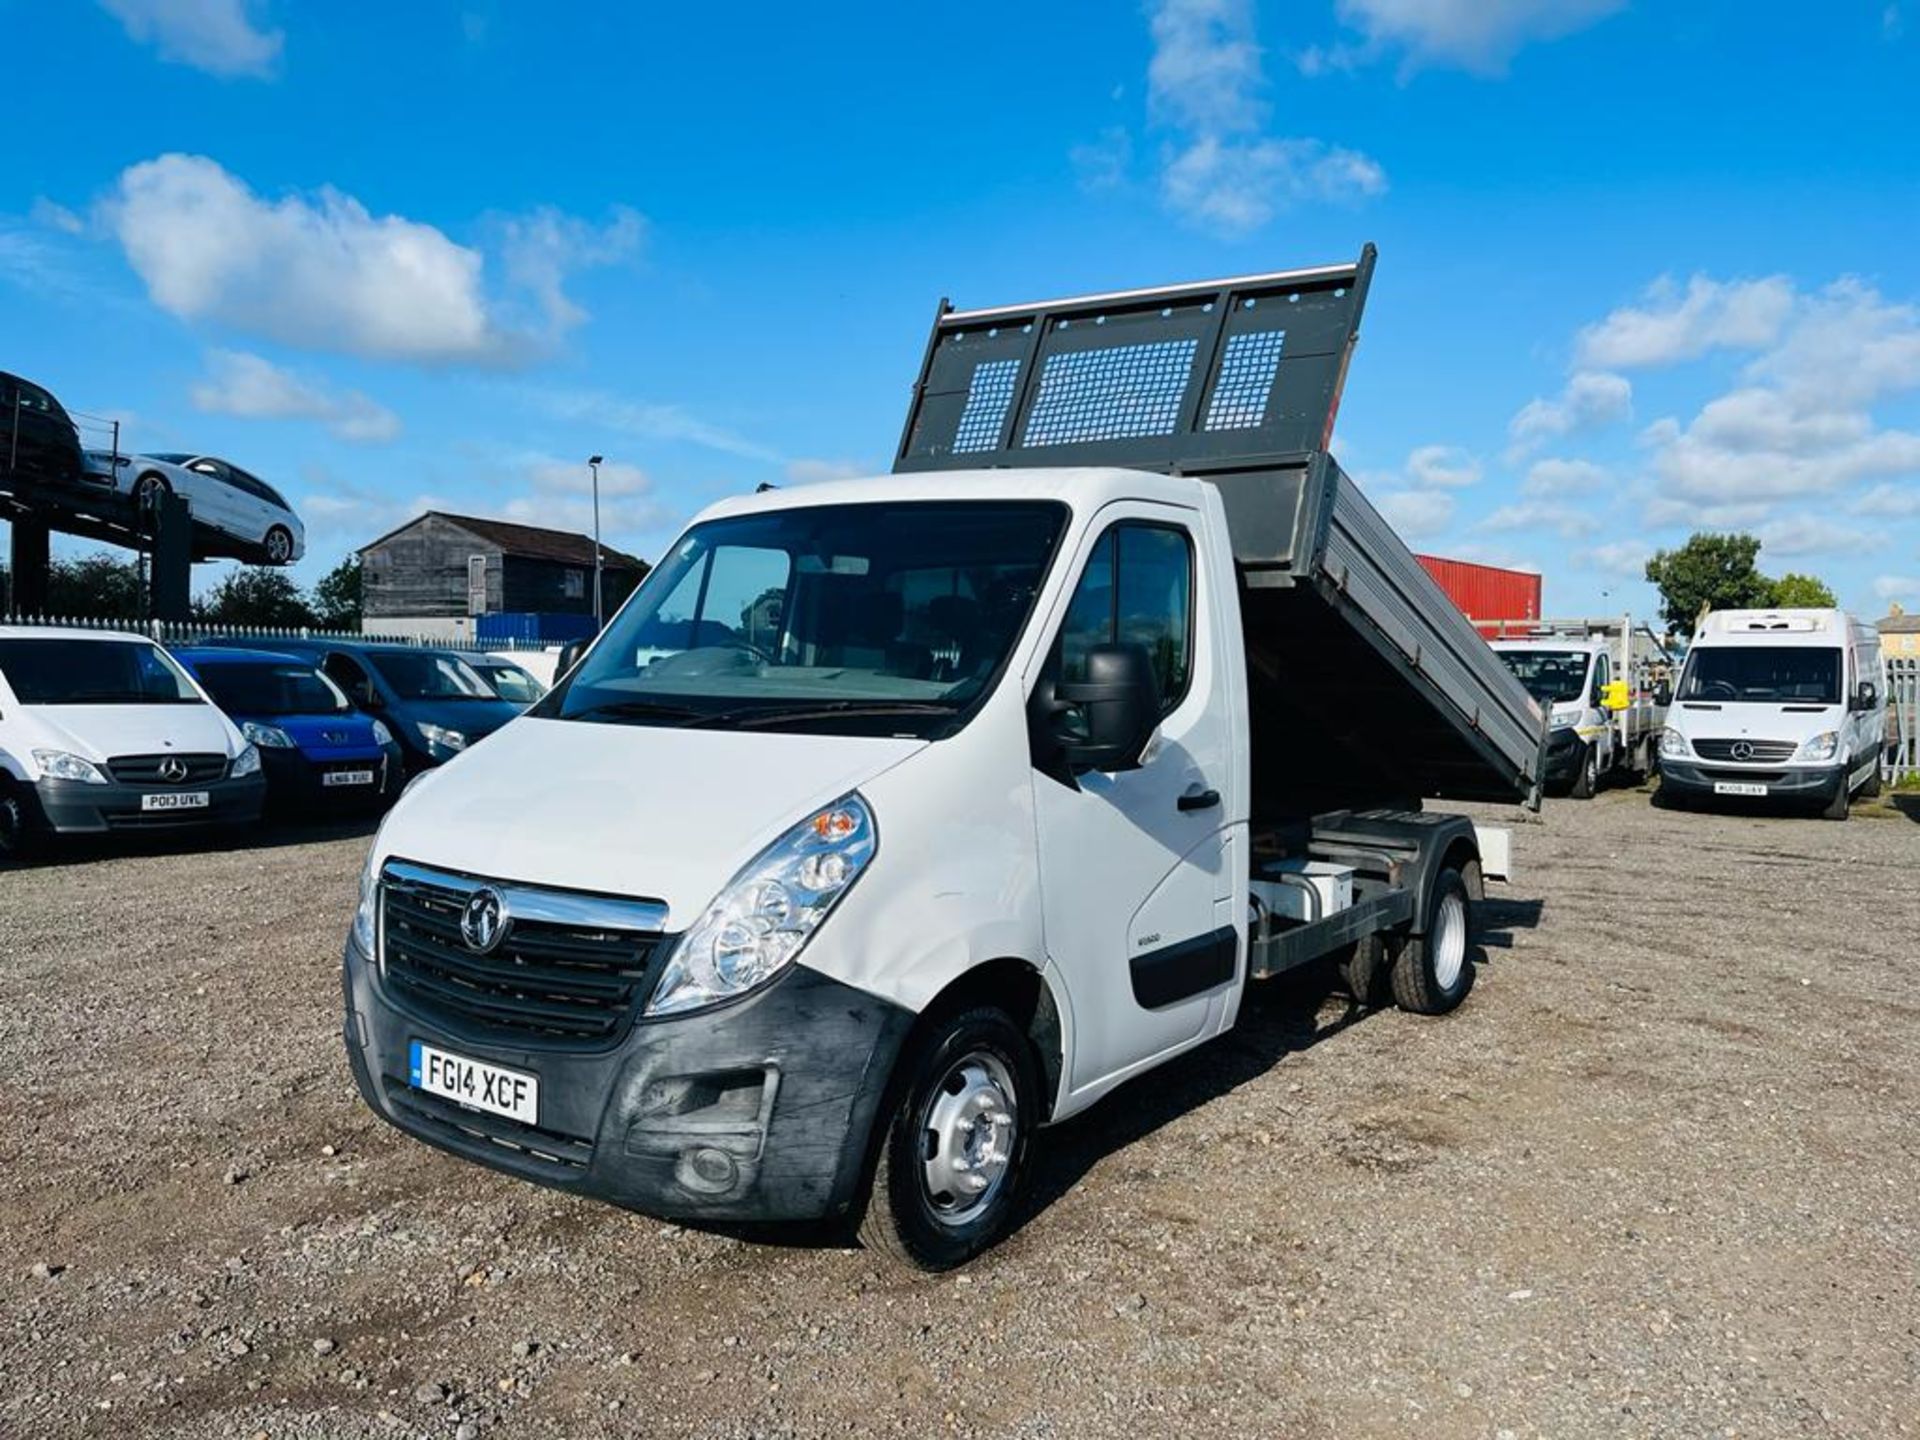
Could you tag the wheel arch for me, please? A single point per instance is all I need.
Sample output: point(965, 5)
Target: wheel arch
point(1020, 988)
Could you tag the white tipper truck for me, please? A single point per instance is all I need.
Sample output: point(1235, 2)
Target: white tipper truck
point(893, 820)
point(1606, 684)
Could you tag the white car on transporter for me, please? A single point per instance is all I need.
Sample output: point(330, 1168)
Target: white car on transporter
point(238, 512)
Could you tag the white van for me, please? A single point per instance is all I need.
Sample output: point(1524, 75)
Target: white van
point(960, 799)
point(1778, 703)
point(102, 731)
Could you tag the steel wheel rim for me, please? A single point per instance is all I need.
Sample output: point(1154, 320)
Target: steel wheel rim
point(1449, 940)
point(969, 1128)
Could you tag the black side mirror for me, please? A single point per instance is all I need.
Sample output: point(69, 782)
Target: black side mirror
point(570, 654)
point(1103, 722)
point(1866, 695)
point(1663, 693)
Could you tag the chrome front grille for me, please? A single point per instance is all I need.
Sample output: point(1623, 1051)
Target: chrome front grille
point(566, 967)
point(1757, 752)
point(161, 771)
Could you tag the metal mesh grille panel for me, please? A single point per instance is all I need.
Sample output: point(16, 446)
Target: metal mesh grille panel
point(989, 393)
point(1241, 393)
point(1110, 394)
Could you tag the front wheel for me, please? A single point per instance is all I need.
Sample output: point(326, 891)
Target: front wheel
point(954, 1153)
point(18, 838)
point(1588, 780)
point(1839, 806)
point(1433, 972)
point(150, 489)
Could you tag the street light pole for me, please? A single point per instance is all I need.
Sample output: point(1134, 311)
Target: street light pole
point(593, 464)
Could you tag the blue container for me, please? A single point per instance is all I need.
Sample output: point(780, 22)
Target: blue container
point(531, 628)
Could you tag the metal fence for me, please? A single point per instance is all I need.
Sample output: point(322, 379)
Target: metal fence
point(1902, 755)
point(189, 632)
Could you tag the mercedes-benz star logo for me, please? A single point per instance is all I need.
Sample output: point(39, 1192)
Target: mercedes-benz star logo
point(1742, 750)
point(484, 921)
point(173, 769)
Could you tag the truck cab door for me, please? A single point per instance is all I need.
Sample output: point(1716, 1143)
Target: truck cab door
point(1136, 867)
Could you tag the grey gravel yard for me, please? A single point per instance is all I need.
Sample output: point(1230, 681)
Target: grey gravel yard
point(1659, 1177)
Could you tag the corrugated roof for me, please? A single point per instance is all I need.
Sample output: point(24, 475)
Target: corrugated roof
point(530, 542)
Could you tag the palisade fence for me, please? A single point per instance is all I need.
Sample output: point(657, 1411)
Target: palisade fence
point(1902, 755)
point(190, 632)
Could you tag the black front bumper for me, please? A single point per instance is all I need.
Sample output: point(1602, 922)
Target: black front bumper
point(1693, 778)
point(756, 1110)
point(1566, 754)
point(296, 782)
point(72, 807)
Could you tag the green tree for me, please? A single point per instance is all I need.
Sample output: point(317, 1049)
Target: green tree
point(336, 597)
point(1709, 572)
point(94, 587)
point(255, 595)
point(1802, 592)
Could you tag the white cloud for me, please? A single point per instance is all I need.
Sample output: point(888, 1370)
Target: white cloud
point(1103, 164)
point(1591, 399)
point(1679, 325)
point(1567, 477)
point(1477, 35)
point(253, 388)
point(1567, 521)
point(1795, 535)
point(1624, 558)
point(560, 497)
point(324, 273)
point(1847, 346)
point(1896, 587)
point(651, 420)
point(55, 216)
point(217, 36)
point(1442, 467)
point(1219, 169)
point(1888, 501)
point(1756, 444)
point(1665, 512)
point(1416, 514)
point(808, 472)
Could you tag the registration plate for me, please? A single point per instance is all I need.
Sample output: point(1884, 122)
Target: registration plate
point(175, 800)
point(1738, 787)
point(474, 1083)
point(347, 777)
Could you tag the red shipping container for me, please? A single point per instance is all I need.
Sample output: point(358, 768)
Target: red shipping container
point(1486, 592)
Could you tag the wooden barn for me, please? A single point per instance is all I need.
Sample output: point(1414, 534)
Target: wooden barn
point(437, 574)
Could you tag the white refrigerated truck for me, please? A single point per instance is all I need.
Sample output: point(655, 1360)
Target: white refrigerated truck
point(963, 795)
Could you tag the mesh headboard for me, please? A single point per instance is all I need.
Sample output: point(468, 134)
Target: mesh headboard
point(1190, 377)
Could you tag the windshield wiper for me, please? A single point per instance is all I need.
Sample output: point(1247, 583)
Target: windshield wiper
point(836, 709)
point(640, 710)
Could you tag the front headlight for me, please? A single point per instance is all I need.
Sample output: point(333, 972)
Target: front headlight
point(759, 923)
point(363, 913)
point(1564, 722)
point(381, 735)
point(64, 765)
point(1822, 746)
point(443, 737)
point(271, 736)
point(1673, 743)
point(246, 763)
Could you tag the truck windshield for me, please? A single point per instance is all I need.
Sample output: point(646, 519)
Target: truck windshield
point(94, 672)
point(1550, 676)
point(264, 688)
point(1763, 675)
point(882, 619)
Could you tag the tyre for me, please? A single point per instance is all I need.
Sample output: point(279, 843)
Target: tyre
point(1588, 780)
point(1433, 972)
point(1363, 970)
point(19, 830)
point(278, 548)
point(953, 1155)
point(1871, 790)
point(1840, 805)
point(150, 488)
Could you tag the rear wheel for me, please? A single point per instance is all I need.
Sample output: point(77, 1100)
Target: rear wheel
point(954, 1152)
point(1363, 970)
point(1433, 972)
point(279, 545)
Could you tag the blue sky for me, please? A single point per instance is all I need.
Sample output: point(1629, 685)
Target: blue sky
point(1645, 267)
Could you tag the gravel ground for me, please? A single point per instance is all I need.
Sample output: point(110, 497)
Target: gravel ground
point(1659, 1177)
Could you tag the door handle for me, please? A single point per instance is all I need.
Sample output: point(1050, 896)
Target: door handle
point(1199, 800)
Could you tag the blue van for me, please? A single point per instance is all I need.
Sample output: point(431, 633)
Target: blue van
point(318, 751)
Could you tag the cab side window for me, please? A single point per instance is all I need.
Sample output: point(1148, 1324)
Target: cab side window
point(1137, 589)
point(347, 674)
point(1602, 672)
